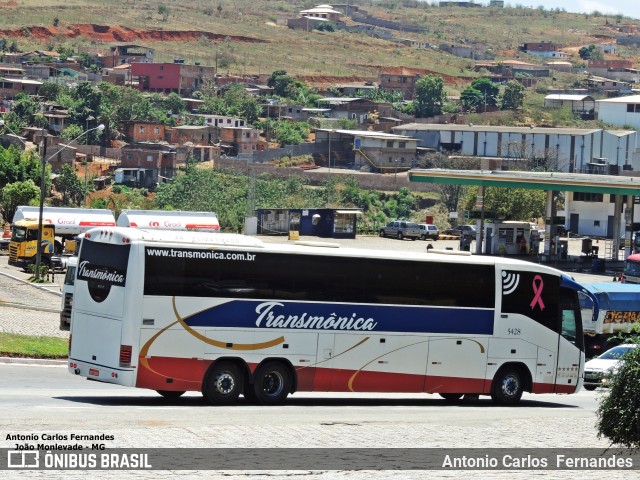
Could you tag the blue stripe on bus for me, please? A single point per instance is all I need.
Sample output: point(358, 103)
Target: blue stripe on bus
point(275, 315)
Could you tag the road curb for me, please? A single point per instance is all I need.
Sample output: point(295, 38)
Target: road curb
point(33, 361)
point(29, 307)
point(40, 287)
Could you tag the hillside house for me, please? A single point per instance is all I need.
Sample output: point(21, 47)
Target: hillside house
point(401, 80)
point(193, 134)
point(127, 54)
point(374, 151)
point(11, 71)
point(235, 141)
point(543, 49)
point(358, 109)
point(170, 77)
point(559, 66)
point(220, 121)
point(476, 51)
point(158, 157)
point(323, 12)
point(142, 131)
point(607, 86)
point(583, 105)
point(10, 87)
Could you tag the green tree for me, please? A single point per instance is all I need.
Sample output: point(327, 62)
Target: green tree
point(488, 89)
point(590, 53)
point(471, 99)
point(24, 107)
point(18, 193)
point(513, 95)
point(280, 81)
point(50, 91)
point(510, 203)
point(164, 11)
point(429, 96)
point(619, 411)
point(174, 103)
point(70, 186)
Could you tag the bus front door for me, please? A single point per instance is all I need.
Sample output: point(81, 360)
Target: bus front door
point(570, 346)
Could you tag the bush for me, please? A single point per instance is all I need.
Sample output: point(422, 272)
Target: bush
point(619, 411)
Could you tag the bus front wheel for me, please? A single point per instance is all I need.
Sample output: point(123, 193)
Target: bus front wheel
point(222, 384)
point(508, 386)
point(272, 383)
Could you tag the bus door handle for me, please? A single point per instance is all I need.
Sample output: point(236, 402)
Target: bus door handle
point(327, 353)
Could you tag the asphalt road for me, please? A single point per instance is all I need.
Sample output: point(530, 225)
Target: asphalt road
point(36, 400)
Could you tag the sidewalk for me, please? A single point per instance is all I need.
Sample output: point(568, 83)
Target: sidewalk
point(27, 308)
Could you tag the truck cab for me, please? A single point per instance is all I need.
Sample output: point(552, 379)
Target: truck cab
point(24, 242)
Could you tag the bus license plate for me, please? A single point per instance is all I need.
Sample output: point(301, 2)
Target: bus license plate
point(94, 372)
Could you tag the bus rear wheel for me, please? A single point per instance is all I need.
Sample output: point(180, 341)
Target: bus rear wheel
point(507, 387)
point(272, 383)
point(171, 394)
point(222, 384)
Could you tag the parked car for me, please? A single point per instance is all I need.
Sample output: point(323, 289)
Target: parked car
point(428, 230)
point(461, 229)
point(598, 370)
point(401, 229)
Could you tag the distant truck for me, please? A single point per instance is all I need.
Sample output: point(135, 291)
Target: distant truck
point(143, 219)
point(169, 220)
point(619, 310)
point(60, 227)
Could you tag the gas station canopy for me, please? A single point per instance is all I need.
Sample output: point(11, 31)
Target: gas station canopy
point(559, 181)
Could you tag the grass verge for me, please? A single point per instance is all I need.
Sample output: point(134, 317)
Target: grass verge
point(25, 346)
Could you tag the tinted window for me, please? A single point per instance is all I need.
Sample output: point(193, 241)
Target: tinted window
point(532, 294)
point(323, 278)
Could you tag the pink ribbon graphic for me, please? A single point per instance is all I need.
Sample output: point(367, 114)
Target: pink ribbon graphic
point(537, 289)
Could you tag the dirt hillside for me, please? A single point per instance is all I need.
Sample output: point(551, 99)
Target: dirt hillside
point(117, 33)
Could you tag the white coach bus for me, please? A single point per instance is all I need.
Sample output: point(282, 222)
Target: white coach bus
point(227, 315)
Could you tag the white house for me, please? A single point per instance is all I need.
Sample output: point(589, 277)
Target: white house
point(621, 111)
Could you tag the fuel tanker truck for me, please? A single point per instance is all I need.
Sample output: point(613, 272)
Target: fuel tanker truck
point(147, 220)
point(60, 227)
point(169, 220)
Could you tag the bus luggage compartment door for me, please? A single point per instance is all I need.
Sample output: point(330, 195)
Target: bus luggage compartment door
point(101, 345)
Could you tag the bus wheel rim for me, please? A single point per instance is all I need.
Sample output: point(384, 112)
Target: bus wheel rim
point(510, 386)
point(273, 383)
point(225, 383)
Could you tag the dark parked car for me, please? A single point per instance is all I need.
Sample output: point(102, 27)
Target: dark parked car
point(401, 229)
point(460, 229)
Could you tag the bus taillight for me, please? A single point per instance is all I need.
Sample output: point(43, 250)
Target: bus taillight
point(125, 355)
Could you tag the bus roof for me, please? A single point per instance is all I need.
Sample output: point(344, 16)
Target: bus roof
point(182, 239)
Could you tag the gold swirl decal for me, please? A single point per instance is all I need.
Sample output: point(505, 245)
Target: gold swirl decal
point(145, 350)
point(335, 356)
point(355, 374)
point(228, 346)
